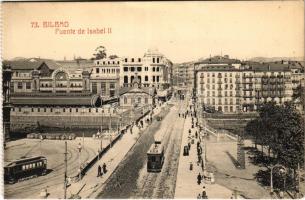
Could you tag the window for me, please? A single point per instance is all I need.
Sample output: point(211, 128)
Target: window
point(158, 69)
point(154, 79)
point(94, 87)
point(38, 109)
point(112, 85)
point(132, 60)
point(153, 60)
point(139, 99)
point(139, 69)
point(64, 110)
point(146, 68)
point(146, 78)
point(45, 110)
point(19, 85)
point(70, 110)
point(125, 69)
point(103, 88)
point(157, 60)
point(97, 70)
point(28, 85)
point(125, 100)
point(158, 78)
point(154, 69)
point(125, 79)
point(76, 109)
point(126, 60)
point(112, 93)
point(51, 109)
point(132, 69)
point(139, 59)
point(146, 100)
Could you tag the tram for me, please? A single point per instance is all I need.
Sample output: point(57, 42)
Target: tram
point(155, 157)
point(25, 167)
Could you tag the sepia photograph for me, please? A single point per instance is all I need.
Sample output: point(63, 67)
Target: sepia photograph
point(153, 100)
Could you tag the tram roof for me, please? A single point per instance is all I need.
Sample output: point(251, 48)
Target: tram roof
point(14, 162)
point(155, 149)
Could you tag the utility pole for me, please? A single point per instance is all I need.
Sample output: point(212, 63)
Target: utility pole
point(65, 179)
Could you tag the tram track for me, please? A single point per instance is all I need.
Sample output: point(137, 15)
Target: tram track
point(36, 184)
point(154, 183)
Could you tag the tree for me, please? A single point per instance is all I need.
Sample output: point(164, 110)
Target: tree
point(113, 57)
point(100, 53)
point(281, 129)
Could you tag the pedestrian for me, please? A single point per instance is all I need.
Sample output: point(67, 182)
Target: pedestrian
point(99, 170)
point(196, 134)
point(104, 168)
point(199, 196)
point(199, 179)
point(204, 194)
point(189, 145)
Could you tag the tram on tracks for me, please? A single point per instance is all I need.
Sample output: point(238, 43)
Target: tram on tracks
point(155, 157)
point(25, 168)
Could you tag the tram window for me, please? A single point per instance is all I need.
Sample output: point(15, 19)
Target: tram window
point(153, 159)
point(34, 165)
point(157, 158)
point(23, 167)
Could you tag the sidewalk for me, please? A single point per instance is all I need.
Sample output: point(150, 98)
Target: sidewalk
point(186, 185)
point(91, 185)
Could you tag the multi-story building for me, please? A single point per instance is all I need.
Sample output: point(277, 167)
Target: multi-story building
point(246, 86)
point(218, 87)
point(152, 70)
point(37, 75)
point(105, 77)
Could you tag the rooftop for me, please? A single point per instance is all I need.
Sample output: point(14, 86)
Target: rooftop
point(31, 63)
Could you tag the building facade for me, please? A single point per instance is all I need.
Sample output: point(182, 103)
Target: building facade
point(218, 87)
point(105, 77)
point(152, 70)
point(243, 87)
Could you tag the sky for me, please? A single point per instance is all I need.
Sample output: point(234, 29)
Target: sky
point(182, 31)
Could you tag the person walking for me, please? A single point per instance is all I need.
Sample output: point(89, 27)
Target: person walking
point(199, 177)
point(104, 168)
point(204, 194)
point(99, 169)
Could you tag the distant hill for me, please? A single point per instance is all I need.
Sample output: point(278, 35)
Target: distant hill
point(272, 59)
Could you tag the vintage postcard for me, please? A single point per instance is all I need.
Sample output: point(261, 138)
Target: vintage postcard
point(153, 100)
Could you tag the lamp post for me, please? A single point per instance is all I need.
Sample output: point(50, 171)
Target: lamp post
point(79, 147)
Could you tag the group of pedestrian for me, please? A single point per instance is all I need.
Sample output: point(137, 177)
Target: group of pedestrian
point(101, 171)
point(202, 195)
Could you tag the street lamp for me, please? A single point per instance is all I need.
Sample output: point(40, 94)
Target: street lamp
point(79, 147)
